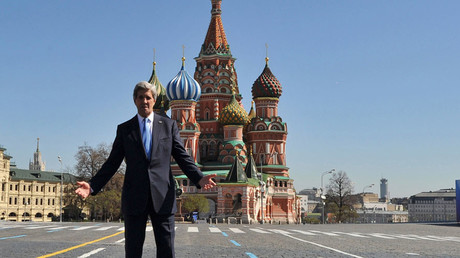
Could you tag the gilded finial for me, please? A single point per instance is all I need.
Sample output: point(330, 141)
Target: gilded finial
point(183, 55)
point(266, 54)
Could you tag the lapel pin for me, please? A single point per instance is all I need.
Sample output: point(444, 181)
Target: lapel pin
point(160, 122)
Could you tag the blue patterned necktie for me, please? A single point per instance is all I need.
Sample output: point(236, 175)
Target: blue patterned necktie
point(146, 137)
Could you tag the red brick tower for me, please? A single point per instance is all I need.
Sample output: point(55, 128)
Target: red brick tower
point(267, 134)
point(216, 73)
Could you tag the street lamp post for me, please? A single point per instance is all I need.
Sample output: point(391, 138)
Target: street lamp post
point(364, 210)
point(262, 190)
point(60, 204)
point(322, 195)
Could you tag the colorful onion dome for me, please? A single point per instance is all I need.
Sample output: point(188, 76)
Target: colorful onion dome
point(183, 86)
point(266, 85)
point(162, 102)
point(233, 113)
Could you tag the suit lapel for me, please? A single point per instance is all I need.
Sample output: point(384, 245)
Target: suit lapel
point(136, 134)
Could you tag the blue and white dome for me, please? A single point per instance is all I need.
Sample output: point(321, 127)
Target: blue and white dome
point(183, 87)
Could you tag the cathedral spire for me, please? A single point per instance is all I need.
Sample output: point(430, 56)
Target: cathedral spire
point(216, 40)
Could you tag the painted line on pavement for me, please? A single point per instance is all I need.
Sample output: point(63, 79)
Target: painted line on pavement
point(251, 255)
point(91, 253)
point(215, 230)
point(235, 243)
point(81, 245)
point(225, 234)
point(3, 238)
point(322, 246)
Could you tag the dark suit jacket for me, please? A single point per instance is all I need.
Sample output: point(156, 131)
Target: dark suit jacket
point(146, 176)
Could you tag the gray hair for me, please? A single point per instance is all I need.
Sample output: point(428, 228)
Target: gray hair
point(143, 85)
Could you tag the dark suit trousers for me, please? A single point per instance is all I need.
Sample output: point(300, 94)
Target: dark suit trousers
point(163, 229)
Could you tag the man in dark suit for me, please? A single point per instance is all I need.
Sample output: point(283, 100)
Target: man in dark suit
point(146, 143)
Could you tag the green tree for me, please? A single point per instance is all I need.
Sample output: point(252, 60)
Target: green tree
point(339, 199)
point(195, 202)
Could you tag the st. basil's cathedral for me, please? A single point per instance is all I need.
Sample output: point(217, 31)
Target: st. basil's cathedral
point(246, 151)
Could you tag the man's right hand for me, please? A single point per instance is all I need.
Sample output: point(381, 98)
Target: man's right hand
point(84, 190)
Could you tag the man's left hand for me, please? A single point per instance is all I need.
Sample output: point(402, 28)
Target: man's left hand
point(206, 182)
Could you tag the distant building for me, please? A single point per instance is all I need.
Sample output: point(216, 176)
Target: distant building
point(37, 164)
point(30, 195)
point(313, 199)
point(433, 206)
point(371, 210)
point(303, 204)
point(384, 196)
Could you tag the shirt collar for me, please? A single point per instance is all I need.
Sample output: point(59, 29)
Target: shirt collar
point(140, 119)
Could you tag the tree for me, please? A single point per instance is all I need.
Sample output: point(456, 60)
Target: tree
point(107, 203)
point(195, 202)
point(339, 200)
point(90, 160)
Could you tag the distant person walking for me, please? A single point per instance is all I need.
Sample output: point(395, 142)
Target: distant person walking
point(146, 143)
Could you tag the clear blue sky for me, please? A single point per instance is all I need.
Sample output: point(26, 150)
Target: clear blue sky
point(369, 87)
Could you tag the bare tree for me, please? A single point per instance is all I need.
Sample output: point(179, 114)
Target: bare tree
point(339, 198)
point(90, 160)
point(107, 203)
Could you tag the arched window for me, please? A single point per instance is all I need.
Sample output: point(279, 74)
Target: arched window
point(223, 90)
point(208, 90)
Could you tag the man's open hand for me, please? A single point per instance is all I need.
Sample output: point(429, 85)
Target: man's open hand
point(206, 182)
point(84, 190)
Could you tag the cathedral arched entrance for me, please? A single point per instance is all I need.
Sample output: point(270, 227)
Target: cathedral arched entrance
point(237, 204)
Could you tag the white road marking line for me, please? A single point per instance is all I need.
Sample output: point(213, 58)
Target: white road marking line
point(325, 233)
point(439, 238)
point(83, 228)
point(323, 246)
point(259, 231)
point(304, 232)
point(192, 229)
point(121, 229)
point(215, 230)
point(279, 231)
point(104, 228)
point(413, 254)
point(424, 238)
point(237, 230)
point(381, 236)
point(456, 239)
point(120, 241)
point(59, 228)
point(91, 253)
point(352, 234)
point(148, 229)
point(406, 237)
point(37, 227)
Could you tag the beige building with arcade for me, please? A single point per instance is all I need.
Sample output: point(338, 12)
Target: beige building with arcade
point(30, 195)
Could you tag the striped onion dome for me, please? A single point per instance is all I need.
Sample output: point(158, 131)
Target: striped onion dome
point(233, 114)
point(162, 102)
point(266, 85)
point(183, 86)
